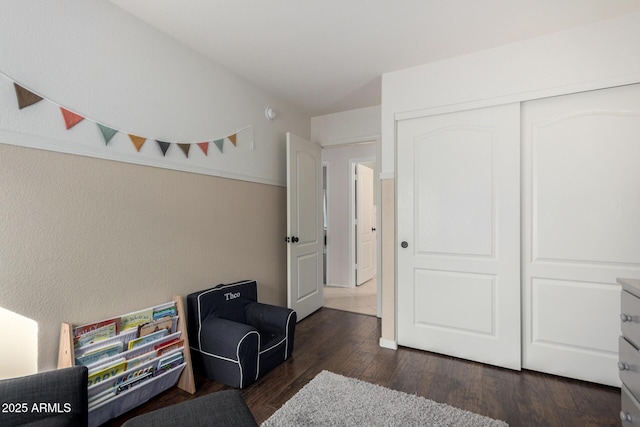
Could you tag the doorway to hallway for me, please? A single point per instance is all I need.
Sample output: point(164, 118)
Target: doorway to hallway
point(361, 299)
point(350, 254)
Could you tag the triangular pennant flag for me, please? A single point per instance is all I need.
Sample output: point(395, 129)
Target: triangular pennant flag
point(185, 149)
point(137, 141)
point(232, 138)
point(70, 119)
point(107, 133)
point(204, 146)
point(219, 143)
point(25, 97)
point(164, 146)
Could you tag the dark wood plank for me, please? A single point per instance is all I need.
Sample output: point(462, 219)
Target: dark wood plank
point(347, 344)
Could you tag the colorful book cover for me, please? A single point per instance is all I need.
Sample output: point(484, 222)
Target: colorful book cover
point(95, 335)
point(133, 379)
point(169, 362)
point(167, 310)
point(140, 350)
point(99, 354)
point(169, 346)
point(105, 372)
point(124, 337)
point(147, 339)
point(133, 320)
point(155, 326)
point(81, 330)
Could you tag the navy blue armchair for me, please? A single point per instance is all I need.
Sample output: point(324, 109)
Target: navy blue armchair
point(235, 339)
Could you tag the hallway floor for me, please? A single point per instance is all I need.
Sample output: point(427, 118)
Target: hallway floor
point(361, 299)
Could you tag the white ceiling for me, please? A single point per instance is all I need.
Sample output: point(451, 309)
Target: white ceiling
point(327, 56)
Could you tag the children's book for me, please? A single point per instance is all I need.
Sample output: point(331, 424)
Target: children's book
point(133, 320)
point(99, 354)
point(155, 326)
point(81, 330)
point(133, 379)
point(168, 362)
point(103, 373)
point(102, 333)
point(147, 339)
point(124, 337)
point(168, 346)
point(165, 310)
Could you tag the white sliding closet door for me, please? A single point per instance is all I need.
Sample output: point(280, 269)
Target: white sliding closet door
point(458, 189)
point(581, 211)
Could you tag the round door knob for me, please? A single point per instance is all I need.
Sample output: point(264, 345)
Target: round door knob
point(623, 366)
point(405, 245)
point(624, 317)
point(625, 416)
point(294, 239)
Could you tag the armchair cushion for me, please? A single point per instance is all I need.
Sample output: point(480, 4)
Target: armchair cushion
point(52, 398)
point(275, 324)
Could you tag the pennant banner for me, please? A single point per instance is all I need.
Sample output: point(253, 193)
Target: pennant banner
point(219, 143)
point(164, 146)
point(204, 146)
point(70, 119)
point(107, 133)
point(137, 141)
point(185, 149)
point(27, 98)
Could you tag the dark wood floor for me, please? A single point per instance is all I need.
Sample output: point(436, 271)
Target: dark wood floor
point(347, 344)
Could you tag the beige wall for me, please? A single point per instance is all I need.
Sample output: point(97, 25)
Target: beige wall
point(82, 239)
point(388, 273)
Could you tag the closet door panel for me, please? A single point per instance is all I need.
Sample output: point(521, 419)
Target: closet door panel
point(583, 206)
point(581, 211)
point(459, 234)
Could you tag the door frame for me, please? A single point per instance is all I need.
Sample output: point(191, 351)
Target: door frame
point(377, 140)
point(325, 219)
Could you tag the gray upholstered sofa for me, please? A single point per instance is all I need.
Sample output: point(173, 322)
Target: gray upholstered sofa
point(59, 398)
point(51, 398)
point(223, 408)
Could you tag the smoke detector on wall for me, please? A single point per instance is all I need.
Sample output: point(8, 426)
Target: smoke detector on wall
point(270, 113)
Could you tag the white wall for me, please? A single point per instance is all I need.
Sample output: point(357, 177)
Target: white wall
point(84, 239)
point(338, 163)
point(100, 62)
point(590, 57)
point(347, 127)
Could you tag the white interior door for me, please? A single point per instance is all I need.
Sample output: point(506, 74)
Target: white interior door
point(304, 226)
point(365, 245)
point(458, 191)
point(582, 230)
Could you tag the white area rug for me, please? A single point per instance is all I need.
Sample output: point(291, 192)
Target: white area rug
point(333, 400)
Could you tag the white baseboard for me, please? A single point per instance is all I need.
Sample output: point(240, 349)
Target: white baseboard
point(337, 285)
point(388, 175)
point(388, 344)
